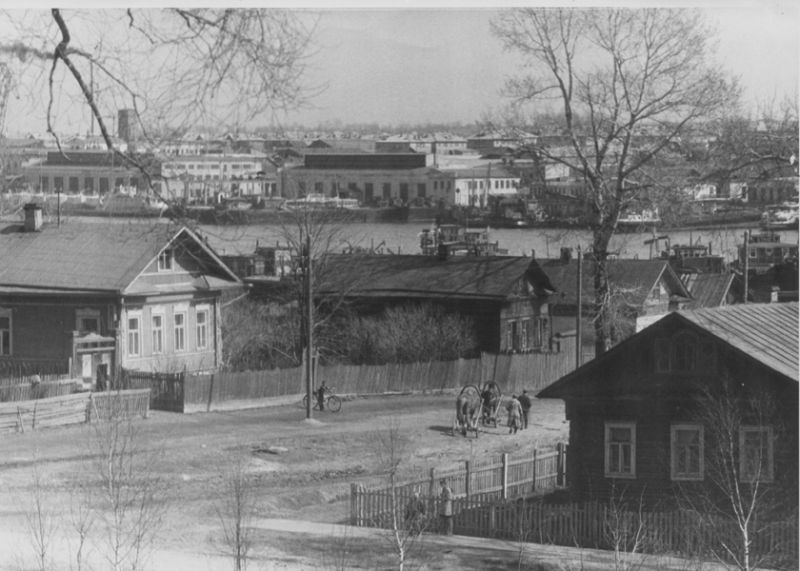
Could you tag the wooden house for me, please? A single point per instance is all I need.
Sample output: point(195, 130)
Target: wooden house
point(638, 288)
point(89, 298)
point(646, 417)
point(505, 296)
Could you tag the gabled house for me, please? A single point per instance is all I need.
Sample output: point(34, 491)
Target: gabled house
point(505, 296)
point(88, 299)
point(646, 416)
point(638, 288)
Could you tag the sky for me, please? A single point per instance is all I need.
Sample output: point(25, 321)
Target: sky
point(444, 65)
point(383, 64)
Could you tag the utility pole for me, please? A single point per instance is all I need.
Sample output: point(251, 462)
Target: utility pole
point(578, 328)
point(746, 254)
point(306, 256)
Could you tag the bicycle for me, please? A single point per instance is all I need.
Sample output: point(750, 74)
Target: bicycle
point(332, 402)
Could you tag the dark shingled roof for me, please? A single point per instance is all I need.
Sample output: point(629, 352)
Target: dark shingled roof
point(636, 276)
point(95, 257)
point(427, 276)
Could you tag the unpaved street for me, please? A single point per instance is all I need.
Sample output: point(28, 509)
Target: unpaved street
point(308, 479)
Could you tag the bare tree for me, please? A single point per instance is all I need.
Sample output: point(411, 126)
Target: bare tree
point(404, 526)
point(743, 499)
point(41, 521)
point(129, 499)
point(410, 333)
point(235, 513)
point(627, 82)
point(175, 68)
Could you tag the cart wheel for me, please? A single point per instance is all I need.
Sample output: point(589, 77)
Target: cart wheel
point(334, 403)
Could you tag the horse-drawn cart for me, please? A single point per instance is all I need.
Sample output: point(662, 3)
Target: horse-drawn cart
point(469, 409)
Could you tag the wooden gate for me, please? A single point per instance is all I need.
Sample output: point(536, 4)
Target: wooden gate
point(166, 389)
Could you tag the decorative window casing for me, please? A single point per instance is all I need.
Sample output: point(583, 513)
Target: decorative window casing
point(6, 327)
point(620, 450)
point(756, 454)
point(686, 452)
point(157, 331)
point(134, 334)
point(202, 322)
point(166, 260)
point(179, 333)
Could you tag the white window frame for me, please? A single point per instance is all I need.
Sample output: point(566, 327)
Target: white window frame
point(766, 476)
point(525, 334)
point(137, 315)
point(631, 426)
point(179, 331)
point(674, 452)
point(206, 310)
point(157, 333)
point(7, 312)
point(166, 260)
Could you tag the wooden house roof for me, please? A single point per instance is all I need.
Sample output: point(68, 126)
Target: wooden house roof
point(636, 277)
point(765, 333)
point(768, 332)
point(417, 276)
point(93, 257)
point(708, 290)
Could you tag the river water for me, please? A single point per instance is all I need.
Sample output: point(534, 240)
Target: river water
point(544, 242)
point(403, 238)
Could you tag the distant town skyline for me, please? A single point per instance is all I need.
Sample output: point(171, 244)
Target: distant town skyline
point(394, 66)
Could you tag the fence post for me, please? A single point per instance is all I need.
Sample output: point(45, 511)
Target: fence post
point(533, 477)
point(504, 494)
point(561, 477)
point(353, 504)
point(210, 393)
point(466, 478)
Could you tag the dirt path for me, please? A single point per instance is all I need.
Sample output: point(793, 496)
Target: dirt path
point(308, 479)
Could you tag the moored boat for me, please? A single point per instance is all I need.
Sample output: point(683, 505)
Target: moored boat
point(782, 216)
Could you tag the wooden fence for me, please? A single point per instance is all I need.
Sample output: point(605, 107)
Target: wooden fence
point(600, 526)
point(473, 484)
point(15, 371)
point(532, 371)
point(72, 409)
point(166, 389)
point(23, 391)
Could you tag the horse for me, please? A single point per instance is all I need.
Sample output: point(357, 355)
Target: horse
point(468, 409)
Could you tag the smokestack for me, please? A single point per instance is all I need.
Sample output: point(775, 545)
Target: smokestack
point(33, 217)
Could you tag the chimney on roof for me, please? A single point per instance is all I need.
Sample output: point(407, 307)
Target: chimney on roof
point(33, 217)
point(566, 254)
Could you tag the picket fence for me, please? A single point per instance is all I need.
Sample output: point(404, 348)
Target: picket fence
point(73, 409)
point(513, 373)
point(28, 390)
point(481, 482)
point(603, 526)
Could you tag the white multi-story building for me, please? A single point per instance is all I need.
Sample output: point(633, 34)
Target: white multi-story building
point(473, 187)
point(201, 178)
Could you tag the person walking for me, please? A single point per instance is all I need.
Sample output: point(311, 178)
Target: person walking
point(446, 507)
point(525, 404)
point(514, 413)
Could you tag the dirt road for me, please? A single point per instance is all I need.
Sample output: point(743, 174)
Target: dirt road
point(298, 469)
